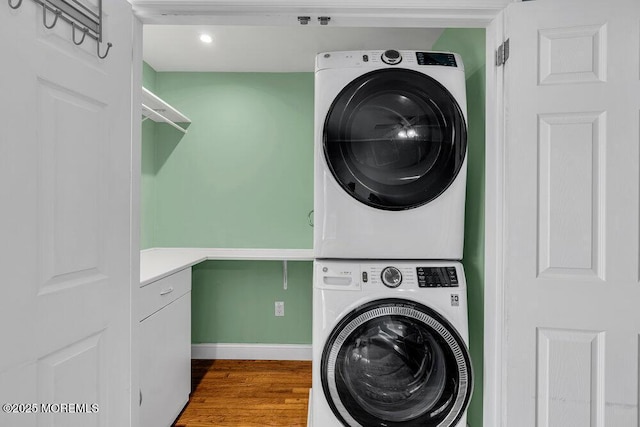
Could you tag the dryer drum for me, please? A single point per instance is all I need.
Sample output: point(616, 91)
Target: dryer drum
point(395, 139)
point(395, 362)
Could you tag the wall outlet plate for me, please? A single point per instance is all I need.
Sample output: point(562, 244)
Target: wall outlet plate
point(279, 308)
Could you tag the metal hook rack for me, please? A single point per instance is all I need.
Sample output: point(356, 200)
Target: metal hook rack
point(73, 34)
point(57, 14)
point(75, 13)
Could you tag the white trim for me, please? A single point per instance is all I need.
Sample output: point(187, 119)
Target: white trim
point(136, 177)
point(310, 409)
point(251, 351)
point(494, 318)
point(216, 6)
point(371, 13)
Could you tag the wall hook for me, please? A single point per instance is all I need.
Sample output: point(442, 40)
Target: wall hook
point(84, 33)
point(44, 17)
point(17, 5)
point(106, 53)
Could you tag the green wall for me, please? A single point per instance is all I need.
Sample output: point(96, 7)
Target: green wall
point(148, 77)
point(241, 177)
point(470, 43)
point(233, 302)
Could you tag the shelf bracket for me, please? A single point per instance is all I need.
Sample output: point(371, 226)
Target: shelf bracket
point(285, 273)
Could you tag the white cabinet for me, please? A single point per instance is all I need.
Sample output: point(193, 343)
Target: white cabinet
point(165, 348)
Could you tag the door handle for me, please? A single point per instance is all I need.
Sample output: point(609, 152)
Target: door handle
point(167, 291)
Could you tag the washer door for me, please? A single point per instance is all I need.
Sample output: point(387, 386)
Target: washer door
point(395, 139)
point(393, 362)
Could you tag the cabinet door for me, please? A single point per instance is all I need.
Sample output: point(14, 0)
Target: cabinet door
point(165, 363)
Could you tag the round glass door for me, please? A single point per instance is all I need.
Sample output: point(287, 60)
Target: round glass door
point(395, 139)
point(397, 363)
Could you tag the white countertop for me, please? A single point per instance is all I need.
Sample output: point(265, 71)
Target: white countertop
point(156, 263)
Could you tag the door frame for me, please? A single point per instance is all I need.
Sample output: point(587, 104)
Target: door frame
point(486, 14)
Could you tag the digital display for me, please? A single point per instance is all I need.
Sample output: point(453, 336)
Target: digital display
point(437, 277)
point(431, 58)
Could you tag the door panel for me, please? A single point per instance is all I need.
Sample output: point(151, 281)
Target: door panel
point(570, 147)
point(65, 182)
point(69, 187)
point(571, 213)
point(58, 383)
point(572, 54)
point(583, 378)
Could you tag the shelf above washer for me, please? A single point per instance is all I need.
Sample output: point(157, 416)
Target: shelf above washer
point(160, 111)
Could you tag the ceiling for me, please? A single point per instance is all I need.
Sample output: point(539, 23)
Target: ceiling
point(268, 49)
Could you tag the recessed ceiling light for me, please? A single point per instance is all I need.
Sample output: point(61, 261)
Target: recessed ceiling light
point(206, 38)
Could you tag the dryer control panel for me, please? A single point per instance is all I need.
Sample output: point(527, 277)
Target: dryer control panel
point(387, 58)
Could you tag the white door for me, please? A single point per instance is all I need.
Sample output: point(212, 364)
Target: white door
point(571, 263)
point(65, 202)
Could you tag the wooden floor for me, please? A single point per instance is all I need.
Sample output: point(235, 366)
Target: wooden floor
point(247, 393)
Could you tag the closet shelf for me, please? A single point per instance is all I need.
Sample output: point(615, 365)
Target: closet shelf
point(159, 111)
point(156, 263)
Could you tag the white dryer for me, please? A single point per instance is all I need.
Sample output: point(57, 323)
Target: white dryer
point(390, 344)
point(390, 155)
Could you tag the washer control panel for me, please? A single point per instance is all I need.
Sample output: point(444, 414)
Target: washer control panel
point(437, 277)
point(391, 274)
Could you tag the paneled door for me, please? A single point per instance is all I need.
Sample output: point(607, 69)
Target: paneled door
point(65, 212)
point(571, 263)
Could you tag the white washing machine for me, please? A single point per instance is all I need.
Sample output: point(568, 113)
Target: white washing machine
point(390, 155)
point(390, 344)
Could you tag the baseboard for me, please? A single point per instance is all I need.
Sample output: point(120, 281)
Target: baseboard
point(251, 351)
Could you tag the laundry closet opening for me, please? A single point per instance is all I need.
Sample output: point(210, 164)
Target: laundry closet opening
point(242, 174)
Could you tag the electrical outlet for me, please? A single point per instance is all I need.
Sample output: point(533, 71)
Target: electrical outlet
point(279, 308)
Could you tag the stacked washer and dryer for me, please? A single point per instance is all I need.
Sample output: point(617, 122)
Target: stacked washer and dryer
point(390, 330)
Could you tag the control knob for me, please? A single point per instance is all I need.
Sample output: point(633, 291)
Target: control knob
point(391, 57)
point(391, 277)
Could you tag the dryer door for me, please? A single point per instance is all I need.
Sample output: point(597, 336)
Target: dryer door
point(393, 362)
point(395, 139)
